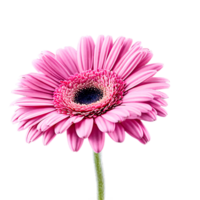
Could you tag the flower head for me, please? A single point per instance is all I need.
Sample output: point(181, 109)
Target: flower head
point(98, 89)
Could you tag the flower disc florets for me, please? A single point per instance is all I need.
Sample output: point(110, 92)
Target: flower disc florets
point(90, 93)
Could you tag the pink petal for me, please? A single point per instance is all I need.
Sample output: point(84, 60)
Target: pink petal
point(153, 86)
point(142, 107)
point(132, 128)
point(135, 48)
point(153, 114)
point(68, 58)
point(126, 46)
point(124, 107)
point(146, 135)
point(27, 101)
point(155, 83)
point(84, 127)
point(21, 125)
point(142, 140)
point(137, 78)
point(156, 80)
point(119, 134)
point(135, 93)
point(163, 102)
point(57, 119)
point(29, 80)
point(51, 121)
point(97, 51)
point(155, 93)
point(154, 102)
point(25, 136)
point(43, 78)
point(74, 141)
point(129, 66)
point(146, 59)
point(37, 82)
point(45, 52)
point(33, 134)
point(165, 95)
point(36, 136)
point(96, 139)
point(85, 53)
point(136, 129)
point(160, 111)
point(33, 93)
point(114, 53)
point(119, 111)
point(55, 66)
point(77, 119)
point(42, 67)
point(50, 68)
point(154, 66)
point(105, 50)
point(111, 117)
point(18, 113)
point(25, 83)
point(131, 135)
point(43, 125)
point(36, 120)
point(146, 118)
point(121, 118)
point(104, 125)
point(62, 126)
point(66, 125)
point(48, 136)
point(150, 116)
point(137, 97)
point(31, 113)
point(132, 115)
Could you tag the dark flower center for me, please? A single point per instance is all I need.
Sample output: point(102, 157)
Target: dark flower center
point(88, 95)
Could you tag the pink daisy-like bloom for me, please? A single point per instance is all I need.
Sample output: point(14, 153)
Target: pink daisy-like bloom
point(98, 89)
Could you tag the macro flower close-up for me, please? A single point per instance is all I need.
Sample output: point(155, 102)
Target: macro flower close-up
point(103, 87)
point(107, 87)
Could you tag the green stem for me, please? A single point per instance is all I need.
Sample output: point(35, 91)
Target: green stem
point(99, 174)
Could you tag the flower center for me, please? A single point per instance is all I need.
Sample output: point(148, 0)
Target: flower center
point(89, 94)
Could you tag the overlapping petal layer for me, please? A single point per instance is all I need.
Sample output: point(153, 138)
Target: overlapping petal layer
point(107, 87)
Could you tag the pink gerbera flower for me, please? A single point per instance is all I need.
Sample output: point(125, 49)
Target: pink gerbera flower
point(98, 89)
